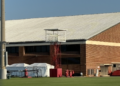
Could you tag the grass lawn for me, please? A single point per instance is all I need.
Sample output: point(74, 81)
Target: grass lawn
point(75, 81)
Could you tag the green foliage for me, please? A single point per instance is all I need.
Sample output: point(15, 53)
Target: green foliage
point(75, 81)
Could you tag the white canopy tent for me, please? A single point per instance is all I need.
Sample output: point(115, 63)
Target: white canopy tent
point(43, 69)
point(34, 70)
point(16, 69)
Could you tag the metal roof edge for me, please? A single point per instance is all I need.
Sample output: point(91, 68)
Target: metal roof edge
point(63, 16)
point(44, 43)
point(103, 31)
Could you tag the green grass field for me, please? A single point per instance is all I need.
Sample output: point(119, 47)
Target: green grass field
point(75, 81)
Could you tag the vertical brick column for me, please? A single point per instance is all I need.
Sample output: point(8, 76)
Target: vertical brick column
point(83, 58)
point(21, 53)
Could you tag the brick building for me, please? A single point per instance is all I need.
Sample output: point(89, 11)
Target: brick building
point(91, 40)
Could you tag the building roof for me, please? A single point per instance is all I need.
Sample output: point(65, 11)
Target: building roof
point(78, 26)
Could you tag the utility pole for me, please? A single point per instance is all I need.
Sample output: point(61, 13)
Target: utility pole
point(3, 71)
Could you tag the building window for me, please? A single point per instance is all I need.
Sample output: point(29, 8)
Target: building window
point(37, 49)
point(12, 49)
point(90, 71)
point(114, 65)
point(75, 47)
point(75, 60)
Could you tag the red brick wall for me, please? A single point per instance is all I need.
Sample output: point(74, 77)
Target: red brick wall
point(110, 35)
point(14, 58)
point(100, 54)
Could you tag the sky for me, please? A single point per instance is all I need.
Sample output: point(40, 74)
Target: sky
point(25, 9)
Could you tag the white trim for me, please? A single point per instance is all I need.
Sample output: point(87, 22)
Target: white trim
point(115, 62)
point(102, 43)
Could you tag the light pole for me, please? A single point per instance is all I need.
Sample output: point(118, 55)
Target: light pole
point(3, 70)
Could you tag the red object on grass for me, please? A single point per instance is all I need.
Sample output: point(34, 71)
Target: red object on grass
point(56, 72)
point(116, 73)
point(70, 73)
point(73, 72)
point(67, 73)
point(26, 73)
